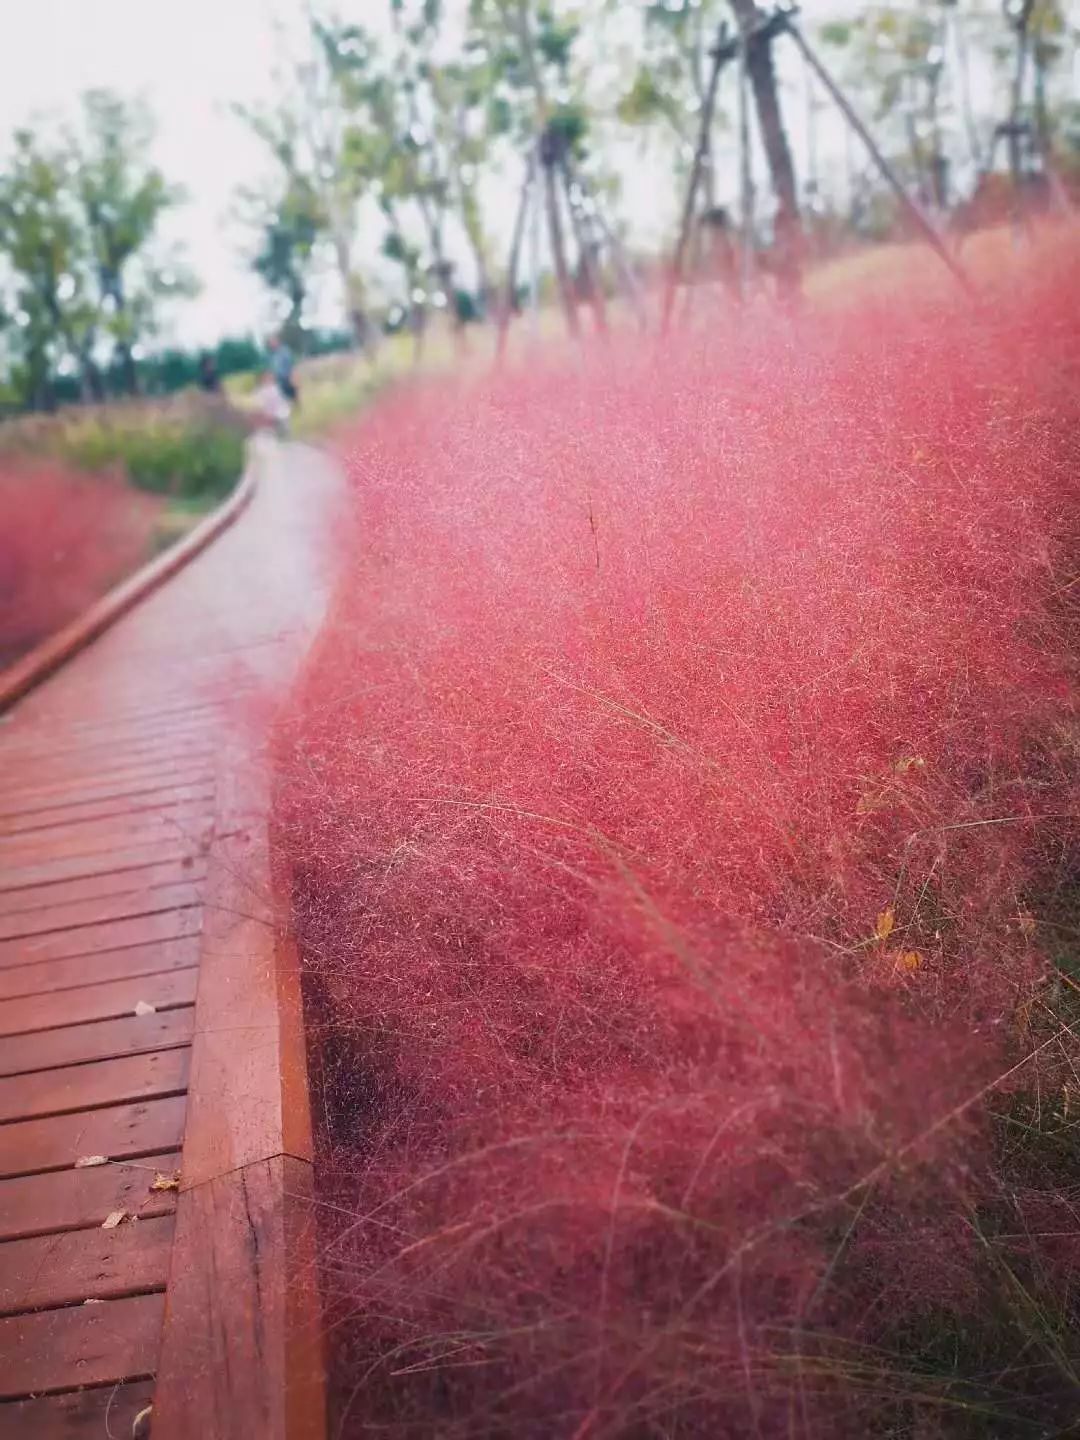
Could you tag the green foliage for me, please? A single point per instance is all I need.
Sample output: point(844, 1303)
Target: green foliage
point(191, 452)
point(836, 32)
point(48, 309)
point(289, 228)
point(669, 83)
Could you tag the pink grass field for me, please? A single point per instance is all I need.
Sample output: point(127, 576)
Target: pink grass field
point(65, 539)
point(681, 804)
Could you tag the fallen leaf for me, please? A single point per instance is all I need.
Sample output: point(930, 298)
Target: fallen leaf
point(113, 1219)
point(143, 1008)
point(910, 960)
point(908, 762)
point(166, 1182)
point(1026, 923)
point(885, 922)
point(84, 1162)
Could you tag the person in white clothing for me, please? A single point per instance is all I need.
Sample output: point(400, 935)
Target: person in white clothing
point(271, 405)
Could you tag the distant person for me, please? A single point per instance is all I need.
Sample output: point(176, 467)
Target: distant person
point(209, 380)
point(281, 363)
point(271, 405)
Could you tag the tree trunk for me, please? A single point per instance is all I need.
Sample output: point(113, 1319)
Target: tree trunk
point(354, 310)
point(759, 64)
point(558, 249)
point(1022, 24)
point(549, 158)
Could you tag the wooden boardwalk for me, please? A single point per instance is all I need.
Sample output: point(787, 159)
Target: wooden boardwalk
point(110, 793)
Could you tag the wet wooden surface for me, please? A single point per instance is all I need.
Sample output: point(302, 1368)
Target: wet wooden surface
point(111, 777)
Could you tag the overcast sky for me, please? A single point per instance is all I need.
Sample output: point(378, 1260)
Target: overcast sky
point(190, 60)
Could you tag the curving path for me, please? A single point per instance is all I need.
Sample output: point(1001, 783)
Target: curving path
point(113, 778)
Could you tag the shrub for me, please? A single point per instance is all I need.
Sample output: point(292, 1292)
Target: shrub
point(188, 447)
point(680, 802)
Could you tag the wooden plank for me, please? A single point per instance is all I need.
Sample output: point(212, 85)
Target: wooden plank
point(28, 1147)
point(76, 1044)
point(103, 790)
point(243, 1356)
point(116, 751)
point(81, 1199)
point(39, 789)
point(83, 1345)
point(123, 762)
point(48, 976)
point(156, 800)
point(93, 887)
point(31, 729)
point(108, 750)
point(68, 1269)
point(113, 861)
point(78, 914)
point(110, 936)
point(102, 1082)
point(109, 1001)
point(97, 837)
point(110, 1410)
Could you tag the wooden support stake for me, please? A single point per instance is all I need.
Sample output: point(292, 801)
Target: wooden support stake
point(914, 210)
point(723, 51)
point(590, 273)
point(510, 295)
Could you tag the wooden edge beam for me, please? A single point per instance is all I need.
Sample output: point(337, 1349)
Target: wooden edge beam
point(242, 1351)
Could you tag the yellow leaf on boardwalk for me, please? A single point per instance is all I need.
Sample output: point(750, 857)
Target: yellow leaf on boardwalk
point(885, 922)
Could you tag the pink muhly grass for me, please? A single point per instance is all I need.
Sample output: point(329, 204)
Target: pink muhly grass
point(670, 800)
point(65, 539)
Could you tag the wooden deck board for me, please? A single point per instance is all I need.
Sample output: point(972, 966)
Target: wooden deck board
point(98, 887)
point(71, 972)
point(28, 1147)
point(85, 1087)
point(162, 799)
point(131, 1258)
point(182, 920)
point(111, 1000)
point(79, 914)
point(82, 1199)
point(83, 1345)
point(83, 1415)
point(78, 867)
point(102, 1040)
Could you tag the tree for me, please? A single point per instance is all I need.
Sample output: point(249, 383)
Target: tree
point(669, 84)
point(529, 46)
point(122, 198)
point(315, 136)
point(50, 315)
point(896, 61)
point(289, 223)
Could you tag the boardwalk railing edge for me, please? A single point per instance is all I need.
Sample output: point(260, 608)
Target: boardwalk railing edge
point(45, 659)
point(242, 1350)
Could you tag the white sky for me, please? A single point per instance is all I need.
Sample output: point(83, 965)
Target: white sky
point(191, 60)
